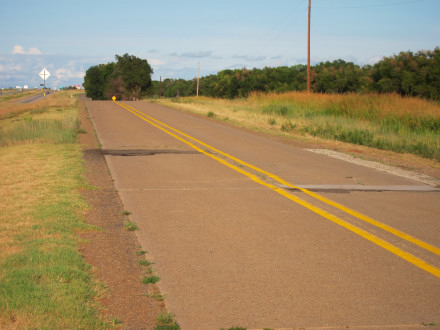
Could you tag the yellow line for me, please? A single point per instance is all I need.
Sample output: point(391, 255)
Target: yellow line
point(343, 208)
point(387, 246)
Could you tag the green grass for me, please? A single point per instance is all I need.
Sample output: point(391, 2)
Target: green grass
point(144, 262)
point(44, 281)
point(130, 226)
point(150, 279)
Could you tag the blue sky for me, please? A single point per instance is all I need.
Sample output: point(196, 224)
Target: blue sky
point(67, 37)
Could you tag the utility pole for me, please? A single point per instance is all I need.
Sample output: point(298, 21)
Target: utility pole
point(160, 85)
point(198, 78)
point(308, 51)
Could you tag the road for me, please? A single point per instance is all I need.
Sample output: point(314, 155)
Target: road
point(33, 98)
point(277, 237)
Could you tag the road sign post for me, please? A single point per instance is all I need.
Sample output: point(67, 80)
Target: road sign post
point(44, 74)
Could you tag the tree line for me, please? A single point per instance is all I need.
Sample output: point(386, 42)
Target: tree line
point(407, 73)
point(129, 78)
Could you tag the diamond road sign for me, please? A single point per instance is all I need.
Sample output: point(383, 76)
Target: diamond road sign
point(44, 74)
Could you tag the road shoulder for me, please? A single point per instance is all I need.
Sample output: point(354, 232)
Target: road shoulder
point(112, 251)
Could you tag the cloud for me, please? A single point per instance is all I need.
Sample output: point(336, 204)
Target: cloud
point(373, 60)
point(155, 61)
point(10, 67)
point(34, 51)
point(196, 54)
point(250, 58)
point(64, 73)
point(20, 50)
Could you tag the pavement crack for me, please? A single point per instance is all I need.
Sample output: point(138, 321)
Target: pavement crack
point(144, 152)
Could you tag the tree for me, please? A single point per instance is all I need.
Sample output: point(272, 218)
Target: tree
point(96, 81)
point(135, 74)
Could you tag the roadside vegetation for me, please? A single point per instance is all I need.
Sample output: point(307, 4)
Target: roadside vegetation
point(382, 121)
point(13, 95)
point(127, 79)
point(44, 281)
point(407, 73)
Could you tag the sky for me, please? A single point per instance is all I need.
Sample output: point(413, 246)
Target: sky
point(68, 37)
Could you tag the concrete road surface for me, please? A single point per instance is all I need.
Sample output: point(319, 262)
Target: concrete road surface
point(237, 249)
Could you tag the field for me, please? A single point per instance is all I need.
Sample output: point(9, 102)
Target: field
point(44, 281)
point(383, 121)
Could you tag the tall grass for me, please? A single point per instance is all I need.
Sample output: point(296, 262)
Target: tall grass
point(59, 100)
point(29, 130)
point(54, 120)
point(383, 121)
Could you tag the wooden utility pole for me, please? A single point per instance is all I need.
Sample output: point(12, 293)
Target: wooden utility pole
point(308, 51)
point(160, 85)
point(198, 78)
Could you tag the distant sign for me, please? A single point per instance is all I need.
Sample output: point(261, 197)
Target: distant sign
point(44, 74)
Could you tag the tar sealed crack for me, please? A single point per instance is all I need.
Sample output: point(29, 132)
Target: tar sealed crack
point(143, 152)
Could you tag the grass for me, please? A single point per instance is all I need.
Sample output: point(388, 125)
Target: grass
point(165, 321)
point(144, 262)
point(141, 252)
point(130, 226)
point(382, 121)
point(7, 96)
point(150, 279)
point(44, 281)
point(156, 295)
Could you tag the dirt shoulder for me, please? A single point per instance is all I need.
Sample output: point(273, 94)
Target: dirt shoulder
point(112, 251)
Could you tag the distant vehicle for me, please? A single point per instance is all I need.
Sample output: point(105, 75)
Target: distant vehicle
point(25, 87)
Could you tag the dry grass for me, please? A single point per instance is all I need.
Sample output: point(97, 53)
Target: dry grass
point(63, 99)
point(355, 104)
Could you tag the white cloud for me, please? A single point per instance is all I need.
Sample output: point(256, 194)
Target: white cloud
point(373, 60)
point(20, 50)
point(64, 73)
point(10, 67)
point(155, 61)
point(34, 51)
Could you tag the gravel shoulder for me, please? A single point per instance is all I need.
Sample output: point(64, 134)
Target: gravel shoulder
point(112, 251)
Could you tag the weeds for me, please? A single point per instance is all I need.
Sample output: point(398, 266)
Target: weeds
point(144, 262)
point(156, 295)
point(130, 226)
point(150, 279)
point(165, 321)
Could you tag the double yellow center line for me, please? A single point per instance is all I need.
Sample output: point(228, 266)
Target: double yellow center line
point(372, 238)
